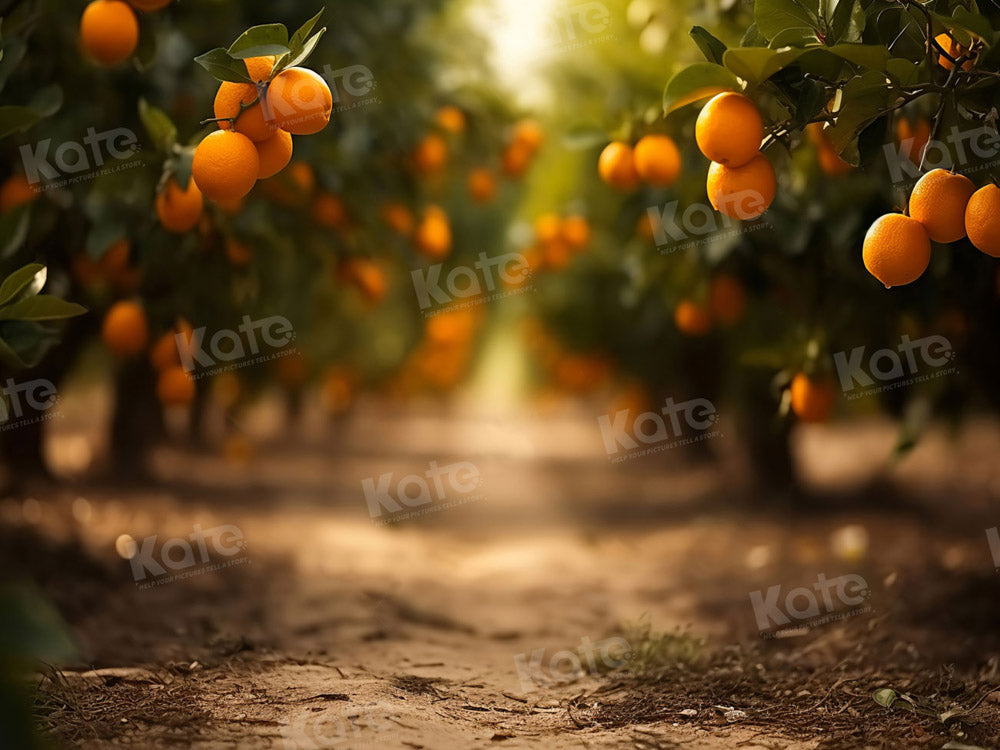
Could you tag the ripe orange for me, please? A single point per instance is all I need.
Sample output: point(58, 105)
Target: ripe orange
point(450, 119)
point(274, 154)
point(165, 352)
point(692, 319)
point(657, 160)
point(919, 133)
point(897, 250)
point(727, 299)
point(954, 49)
point(430, 155)
point(328, 210)
point(175, 387)
point(125, 331)
point(547, 227)
point(557, 254)
point(292, 186)
point(109, 31)
point(231, 97)
point(812, 399)
point(938, 201)
point(575, 230)
point(742, 192)
point(114, 260)
point(616, 166)
point(433, 235)
point(225, 165)
point(238, 253)
point(515, 159)
point(177, 209)
point(16, 191)
point(529, 135)
point(398, 217)
point(482, 185)
point(982, 220)
point(729, 129)
point(149, 5)
point(367, 276)
point(299, 101)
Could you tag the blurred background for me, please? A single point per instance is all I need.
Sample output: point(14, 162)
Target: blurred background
point(454, 398)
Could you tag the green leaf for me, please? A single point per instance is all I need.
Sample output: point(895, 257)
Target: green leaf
point(864, 100)
point(903, 72)
point(47, 101)
point(757, 64)
point(299, 57)
point(32, 628)
point(972, 24)
point(753, 38)
point(14, 119)
point(269, 39)
point(24, 282)
point(584, 135)
point(712, 48)
point(696, 82)
point(182, 167)
point(42, 307)
point(884, 697)
point(840, 14)
point(161, 130)
point(29, 341)
point(11, 358)
point(14, 51)
point(302, 33)
point(14, 230)
point(223, 67)
point(788, 20)
point(873, 56)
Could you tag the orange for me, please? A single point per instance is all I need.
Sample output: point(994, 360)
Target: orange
point(692, 319)
point(125, 330)
point(547, 227)
point(163, 352)
point(433, 235)
point(897, 250)
point(225, 165)
point(177, 209)
point(230, 207)
point(938, 201)
point(920, 135)
point(575, 230)
point(238, 253)
point(982, 220)
point(16, 191)
point(398, 217)
point(274, 154)
point(557, 254)
point(299, 101)
point(954, 49)
point(742, 192)
point(829, 160)
point(727, 299)
point(292, 370)
point(450, 119)
point(231, 100)
point(515, 159)
point(729, 129)
point(109, 31)
point(114, 261)
point(293, 186)
point(482, 186)
point(529, 135)
point(616, 166)
point(149, 5)
point(644, 226)
point(430, 155)
point(812, 399)
point(175, 387)
point(657, 160)
point(329, 211)
point(367, 276)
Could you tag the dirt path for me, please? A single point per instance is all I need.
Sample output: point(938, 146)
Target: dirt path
point(330, 631)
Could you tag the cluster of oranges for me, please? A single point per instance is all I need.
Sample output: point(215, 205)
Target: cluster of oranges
point(557, 239)
point(112, 268)
point(655, 160)
point(741, 182)
point(431, 235)
point(568, 371)
point(125, 332)
point(444, 354)
point(943, 207)
point(109, 30)
point(526, 139)
point(724, 305)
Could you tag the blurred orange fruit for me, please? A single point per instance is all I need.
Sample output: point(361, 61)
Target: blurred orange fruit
point(920, 133)
point(433, 234)
point(897, 250)
point(225, 165)
point(109, 31)
point(742, 192)
point(329, 211)
point(729, 129)
point(547, 227)
point(727, 299)
point(274, 154)
point(337, 391)
point(982, 220)
point(178, 209)
point(692, 319)
point(165, 351)
point(938, 201)
point(430, 155)
point(398, 218)
point(812, 399)
point(292, 370)
point(125, 331)
point(450, 119)
point(368, 276)
point(616, 166)
point(557, 254)
point(528, 134)
point(16, 191)
point(299, 101)
point(575, 230)
point(515, 159)
point(954, 50)
point(231, 102)
point(829, 160)
point(482, 185)
point(238, 253)
point(657, 160)
point(175, 387)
